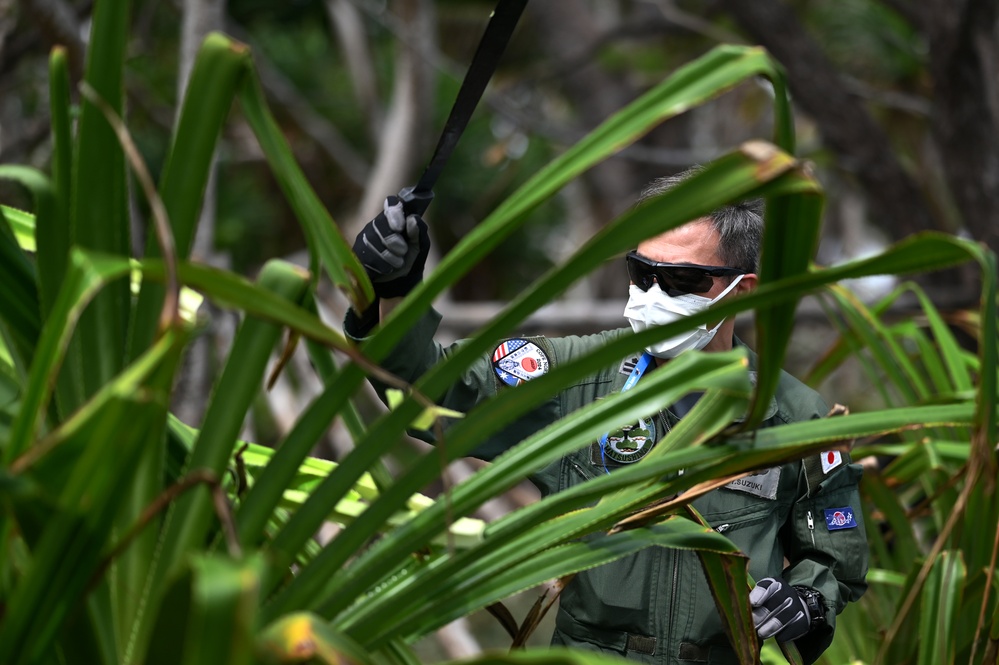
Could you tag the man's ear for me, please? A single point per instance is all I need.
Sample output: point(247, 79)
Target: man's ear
point(748, 282)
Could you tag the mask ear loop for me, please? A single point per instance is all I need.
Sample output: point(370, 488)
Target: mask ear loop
point(728, 289)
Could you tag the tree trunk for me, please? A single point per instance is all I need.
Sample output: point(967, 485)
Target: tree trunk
point(895, 202)
point(965, 117)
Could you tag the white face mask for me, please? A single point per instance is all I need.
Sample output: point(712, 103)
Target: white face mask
point(647, 309)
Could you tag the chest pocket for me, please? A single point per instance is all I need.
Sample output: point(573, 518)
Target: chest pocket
point(831, 521)
point(751, 512)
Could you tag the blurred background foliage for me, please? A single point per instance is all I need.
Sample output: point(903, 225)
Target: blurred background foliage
point(333, 70)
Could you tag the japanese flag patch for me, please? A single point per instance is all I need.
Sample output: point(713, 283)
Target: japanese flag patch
point(840, 518)
point(518, 360)
point(830, 460)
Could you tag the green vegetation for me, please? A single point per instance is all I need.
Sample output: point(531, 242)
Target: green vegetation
point(126, 539)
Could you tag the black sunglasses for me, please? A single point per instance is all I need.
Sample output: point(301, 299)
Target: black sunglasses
point(676, 279)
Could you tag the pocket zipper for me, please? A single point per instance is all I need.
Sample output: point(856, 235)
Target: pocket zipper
point(811, 526)
point(722, 528)
point(580, 471)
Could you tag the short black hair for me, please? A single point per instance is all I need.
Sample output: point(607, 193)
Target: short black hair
point(739, 225)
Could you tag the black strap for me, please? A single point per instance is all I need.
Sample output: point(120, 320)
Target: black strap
point(494, 40)
point(641, 644)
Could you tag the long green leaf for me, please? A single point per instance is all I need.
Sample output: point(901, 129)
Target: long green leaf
point(525, 532)
point(986, 429)
point(258, 505)
point(675, 380)
point(431, 591)
point(738, 173)
point(110, 434)
point(728, 579)
point(790, 238)
point(224, 601)
point(712, 74)
point(230, 290)
point(99, 209)
point(462, 599)
point(20, 307)
point(22, 224)
point(403, 418)
point(552, 656)
point(301, 635)
point(218, 69)
point(86, 275)
point(343, 266)
point(890, 357)
point(900, 541)
point(187, 522)
point(941, 600)
point(53, 231)
point(211, 89)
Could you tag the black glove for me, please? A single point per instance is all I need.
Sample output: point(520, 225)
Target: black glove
point(778, 609)
point(393, 249)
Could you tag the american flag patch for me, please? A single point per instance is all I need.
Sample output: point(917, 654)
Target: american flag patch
point(508, 347)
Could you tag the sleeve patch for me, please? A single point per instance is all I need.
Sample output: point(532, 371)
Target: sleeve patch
point(840, 518)
point(518, 360)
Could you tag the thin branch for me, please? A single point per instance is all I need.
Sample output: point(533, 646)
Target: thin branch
point(170, 314)
point(289, 350)
point(924, 506)
point(160, 503)
point(502, 614)
point(539, 610)
point(345, 19)
point(300, 110)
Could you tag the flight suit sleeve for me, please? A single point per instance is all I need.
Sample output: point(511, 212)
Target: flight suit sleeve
point(826, 546)
point(418, 351)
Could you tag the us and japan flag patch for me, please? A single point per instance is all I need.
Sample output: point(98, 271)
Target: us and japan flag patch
point(519, 360)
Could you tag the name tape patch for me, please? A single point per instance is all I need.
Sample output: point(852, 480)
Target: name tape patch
point(840, 518)
point(518, 360)
point(763, 484)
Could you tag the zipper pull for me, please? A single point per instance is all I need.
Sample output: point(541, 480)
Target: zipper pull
point(722, 528)
point(811, 526)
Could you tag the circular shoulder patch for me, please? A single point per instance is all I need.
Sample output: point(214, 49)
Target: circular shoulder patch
point(518, 360)
point(632, 443)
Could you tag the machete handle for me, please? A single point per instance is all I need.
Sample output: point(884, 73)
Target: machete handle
point(414, 201)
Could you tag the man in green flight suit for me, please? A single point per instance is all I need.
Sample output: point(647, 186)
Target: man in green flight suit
point(799, 523)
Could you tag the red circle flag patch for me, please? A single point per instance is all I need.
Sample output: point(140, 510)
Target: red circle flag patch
point(830, 460)
point(518, 360)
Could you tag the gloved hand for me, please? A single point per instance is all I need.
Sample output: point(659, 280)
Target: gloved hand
point(393, 249)
point(778, 610)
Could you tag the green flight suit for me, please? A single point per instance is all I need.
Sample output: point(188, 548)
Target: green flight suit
point(655, 606)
